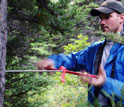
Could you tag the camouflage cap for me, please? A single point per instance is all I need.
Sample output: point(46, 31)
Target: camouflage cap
point(108, 7)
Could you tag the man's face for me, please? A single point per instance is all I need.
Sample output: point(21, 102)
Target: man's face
point(110, 22)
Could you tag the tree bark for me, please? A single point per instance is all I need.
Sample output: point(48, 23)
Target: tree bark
point(3, 40)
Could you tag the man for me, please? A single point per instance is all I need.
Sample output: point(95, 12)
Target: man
point(105, 59)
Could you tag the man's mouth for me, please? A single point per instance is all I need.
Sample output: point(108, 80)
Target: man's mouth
point(104, 28)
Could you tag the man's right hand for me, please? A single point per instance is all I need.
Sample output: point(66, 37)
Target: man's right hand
point(96, 81)
point(45, 63)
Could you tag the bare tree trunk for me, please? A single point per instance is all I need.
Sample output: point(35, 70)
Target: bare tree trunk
point(3, 40)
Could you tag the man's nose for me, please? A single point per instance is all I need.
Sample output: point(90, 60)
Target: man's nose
point(102, 21)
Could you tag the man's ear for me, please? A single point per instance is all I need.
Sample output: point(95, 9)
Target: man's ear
point(122, 17)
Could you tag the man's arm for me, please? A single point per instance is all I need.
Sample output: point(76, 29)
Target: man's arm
point(70, 61)
point(114, 87)
point(109, 85)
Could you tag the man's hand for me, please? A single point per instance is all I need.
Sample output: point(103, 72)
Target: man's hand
point(45, 63)
point(96, 82)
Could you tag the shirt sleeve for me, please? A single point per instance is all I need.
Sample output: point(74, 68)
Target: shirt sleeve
point(82, 60)
point(71, 61)
point(114, 87)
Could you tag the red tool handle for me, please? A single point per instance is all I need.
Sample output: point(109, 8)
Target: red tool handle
point(81, 74)
point(71, 72)
point(49, 68)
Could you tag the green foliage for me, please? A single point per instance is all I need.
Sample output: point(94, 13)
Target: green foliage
point(77, 45)
point(40, 28)
point(42, 50)
point(59, 94)
point(22, 86)
point(115, 37)
point(36, 90)
point(29, 6)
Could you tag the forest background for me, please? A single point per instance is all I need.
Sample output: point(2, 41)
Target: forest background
point(37, 29)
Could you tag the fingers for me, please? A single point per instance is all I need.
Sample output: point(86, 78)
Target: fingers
point(45, 63)
point(85, 79)
point(88, 80)
point(101, 71)
point(96, 81)
point(102, 74)
point(101, 77)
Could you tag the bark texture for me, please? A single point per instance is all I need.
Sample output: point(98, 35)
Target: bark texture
point(3, 40)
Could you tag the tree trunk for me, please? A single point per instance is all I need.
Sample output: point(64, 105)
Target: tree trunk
point(3, 40)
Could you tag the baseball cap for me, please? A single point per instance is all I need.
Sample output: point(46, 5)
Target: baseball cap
point(108, 7)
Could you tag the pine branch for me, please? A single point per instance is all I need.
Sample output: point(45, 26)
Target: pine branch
point(111, 36)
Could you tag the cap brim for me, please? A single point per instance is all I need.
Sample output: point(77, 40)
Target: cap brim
point(97, 11)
